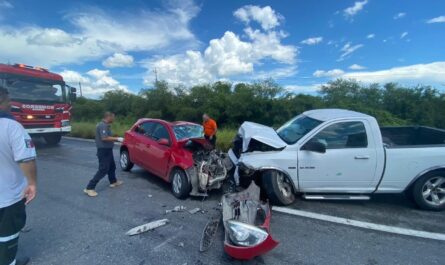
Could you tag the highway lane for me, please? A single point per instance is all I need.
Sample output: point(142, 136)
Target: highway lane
point(67, 227)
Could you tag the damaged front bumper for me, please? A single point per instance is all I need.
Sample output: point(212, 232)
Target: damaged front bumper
point(247, 224)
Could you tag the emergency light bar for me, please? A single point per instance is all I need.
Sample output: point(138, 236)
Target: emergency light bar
point(20, 65)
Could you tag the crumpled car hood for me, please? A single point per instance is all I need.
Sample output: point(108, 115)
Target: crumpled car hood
point(267, 135)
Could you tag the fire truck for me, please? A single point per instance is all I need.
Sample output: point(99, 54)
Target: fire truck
point(40, 100)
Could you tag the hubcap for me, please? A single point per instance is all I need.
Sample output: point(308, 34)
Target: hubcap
point(177, 184)
point(284, 185)
point(433, 191)
point(124, 160)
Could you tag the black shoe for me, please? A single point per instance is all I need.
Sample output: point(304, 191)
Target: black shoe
point(22, 261)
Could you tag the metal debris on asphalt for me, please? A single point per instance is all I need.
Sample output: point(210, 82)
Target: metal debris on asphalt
point(193, 211)
point(209, 233)
point(179, 208)
point(181, 245)
point(149, 195)
point(147, 227)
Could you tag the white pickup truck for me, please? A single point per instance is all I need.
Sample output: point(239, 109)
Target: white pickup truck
point(341, 154)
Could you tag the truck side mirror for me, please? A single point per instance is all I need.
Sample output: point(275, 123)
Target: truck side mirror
point(314, 146)
point(73, 94)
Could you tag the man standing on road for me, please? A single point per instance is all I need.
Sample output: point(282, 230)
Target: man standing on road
point(210, 129)
point(18, 175)
point(104, 143)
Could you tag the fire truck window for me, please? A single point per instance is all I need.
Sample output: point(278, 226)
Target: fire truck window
point(35, 91)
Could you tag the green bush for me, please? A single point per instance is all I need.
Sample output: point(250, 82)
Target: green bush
point(224, 139)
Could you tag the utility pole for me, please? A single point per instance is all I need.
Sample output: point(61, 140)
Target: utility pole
point(80, 87)
point(156, 74)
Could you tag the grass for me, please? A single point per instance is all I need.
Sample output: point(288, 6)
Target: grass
point(87, 130)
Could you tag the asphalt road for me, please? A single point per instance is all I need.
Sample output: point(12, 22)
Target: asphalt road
point(67, 227)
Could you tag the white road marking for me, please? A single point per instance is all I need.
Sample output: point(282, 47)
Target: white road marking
point(164, 243)
point(361, 224)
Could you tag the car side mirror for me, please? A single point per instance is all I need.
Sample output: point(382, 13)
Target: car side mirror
point(314, 146)
point(163, 141)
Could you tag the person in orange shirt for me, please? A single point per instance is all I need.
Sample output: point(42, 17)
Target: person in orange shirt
point(210, 128)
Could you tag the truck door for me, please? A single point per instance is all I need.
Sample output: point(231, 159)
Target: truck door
point(349, 163)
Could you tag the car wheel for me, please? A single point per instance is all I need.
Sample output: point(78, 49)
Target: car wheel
point(278, 187)
point(124, 161)
point(180, 184)
point(429, 191)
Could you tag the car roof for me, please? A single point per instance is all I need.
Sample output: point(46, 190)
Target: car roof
point(331, 114)
point(167, 122)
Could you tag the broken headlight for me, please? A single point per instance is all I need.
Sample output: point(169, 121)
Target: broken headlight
point(245, 235)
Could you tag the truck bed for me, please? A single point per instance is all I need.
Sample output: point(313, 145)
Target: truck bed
point(412, 136)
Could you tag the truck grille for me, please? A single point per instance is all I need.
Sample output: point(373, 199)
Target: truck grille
point(35, 126)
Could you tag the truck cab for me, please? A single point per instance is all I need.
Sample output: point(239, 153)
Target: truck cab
point(40, 100)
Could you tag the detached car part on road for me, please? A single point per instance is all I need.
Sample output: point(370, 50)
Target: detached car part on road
point(176, 152)
point(247, 224)
point(341, 154)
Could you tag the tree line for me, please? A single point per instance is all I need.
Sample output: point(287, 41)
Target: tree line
point(268, 103)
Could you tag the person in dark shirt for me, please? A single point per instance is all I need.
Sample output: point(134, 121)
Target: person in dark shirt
point(107, 166)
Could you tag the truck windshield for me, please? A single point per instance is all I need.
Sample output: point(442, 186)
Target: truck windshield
point(295, 129)
point(34, 90)
point(187, 131)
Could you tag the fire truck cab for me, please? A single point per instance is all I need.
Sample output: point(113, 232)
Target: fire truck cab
point(40, 100)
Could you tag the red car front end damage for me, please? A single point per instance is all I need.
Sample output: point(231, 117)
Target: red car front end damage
point(247, 224)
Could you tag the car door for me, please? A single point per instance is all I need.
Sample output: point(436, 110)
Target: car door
point(348, 165)
point(142, 143)
point(159, 154)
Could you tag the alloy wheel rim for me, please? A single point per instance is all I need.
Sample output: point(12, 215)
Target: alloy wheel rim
point(284, 186)
point(124, 160)
point(433, 191)
point(177, 183)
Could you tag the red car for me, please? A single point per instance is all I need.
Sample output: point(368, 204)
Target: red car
point(176, 152)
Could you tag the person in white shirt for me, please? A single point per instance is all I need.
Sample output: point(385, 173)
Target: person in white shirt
point(18, 177)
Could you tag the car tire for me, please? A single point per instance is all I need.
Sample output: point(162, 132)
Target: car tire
point(124, 161)
point(52, 139)
point(278, 187)
point(179, 184)
point(429, 191)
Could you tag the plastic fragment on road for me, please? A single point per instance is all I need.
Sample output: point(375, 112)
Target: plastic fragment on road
point(179, 208)
point(209, 233)
point(147, 227)
point(193, 211)
point(149, 195)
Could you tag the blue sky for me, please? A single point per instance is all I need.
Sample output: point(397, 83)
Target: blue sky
point(109, 45)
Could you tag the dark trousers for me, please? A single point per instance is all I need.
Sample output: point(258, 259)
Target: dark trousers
point(12, 220)
point(106, 167)
point(211, 141)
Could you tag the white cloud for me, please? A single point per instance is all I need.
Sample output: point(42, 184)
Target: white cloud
point(265, 16)
point(403, 35)
point(432, 72)
point(227, 57)
point(118, 60)
point(356, 67)
point(440, 19)
point(312, 41)
point(399, 15)
point(277, 73)
point(370, 36)
point(303, 89)
point(353, 10)
point(95, 83)
point(330, 73)
point(348, 49)
point(5, 4)
point(96, 34)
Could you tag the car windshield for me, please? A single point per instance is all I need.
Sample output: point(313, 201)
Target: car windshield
point(35, 91)
point(295, 129)
point(186, 131)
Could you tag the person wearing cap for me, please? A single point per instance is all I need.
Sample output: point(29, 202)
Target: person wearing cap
point(107, 166)
point(18, 181)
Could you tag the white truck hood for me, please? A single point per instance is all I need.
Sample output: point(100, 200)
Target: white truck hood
point(261, 133)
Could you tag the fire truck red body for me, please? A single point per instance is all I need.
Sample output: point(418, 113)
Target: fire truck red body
point(40, 100)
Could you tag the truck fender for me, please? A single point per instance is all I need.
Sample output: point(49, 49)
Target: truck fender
point(428, 170)
point(261, 169)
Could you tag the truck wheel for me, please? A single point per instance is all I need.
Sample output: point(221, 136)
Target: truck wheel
point(429, 191)
point(180, 184)
point(52, 139)
point(125, 162)
point(278, 187)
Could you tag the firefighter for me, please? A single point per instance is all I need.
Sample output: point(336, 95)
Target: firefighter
point(18, 177)
point(210, 129)
point(104, 143)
